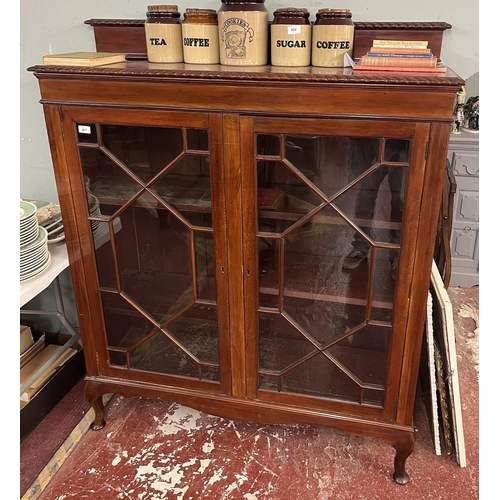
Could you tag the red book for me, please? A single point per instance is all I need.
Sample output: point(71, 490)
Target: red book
point(407, 70)
point(420, 62)
point(402, 50)
point(269, 197)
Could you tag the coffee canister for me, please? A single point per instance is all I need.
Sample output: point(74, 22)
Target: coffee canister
point(332, 37)
point(163, 34)
point(200, 36)
point(243, 32)
point(291, 37)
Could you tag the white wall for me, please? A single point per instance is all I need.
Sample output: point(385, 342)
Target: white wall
point(52, 26)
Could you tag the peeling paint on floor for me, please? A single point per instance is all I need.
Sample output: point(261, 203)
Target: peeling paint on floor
point(154, 450)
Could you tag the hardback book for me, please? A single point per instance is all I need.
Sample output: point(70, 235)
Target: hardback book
point(83, 58)
point(440, 68)
point(377, 53)
point(401, 43)
point(419, 62)
point(398, 50)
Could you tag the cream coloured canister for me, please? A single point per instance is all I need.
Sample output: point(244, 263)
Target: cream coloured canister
point(291, 37)
point(200, 36)
point(163, 34)
point(243, 33)
point(332, 37)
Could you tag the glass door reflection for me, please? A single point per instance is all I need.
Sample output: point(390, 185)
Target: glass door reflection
point(328, 236)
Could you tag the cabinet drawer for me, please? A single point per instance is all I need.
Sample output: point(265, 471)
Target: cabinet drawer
point(466, 164)
point(465, 247)
point(467, 207)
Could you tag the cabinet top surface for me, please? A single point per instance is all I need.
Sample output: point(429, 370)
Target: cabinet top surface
point(271, 74)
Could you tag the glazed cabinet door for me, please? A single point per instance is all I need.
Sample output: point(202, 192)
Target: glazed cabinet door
point(330, 213)
point(148, 207)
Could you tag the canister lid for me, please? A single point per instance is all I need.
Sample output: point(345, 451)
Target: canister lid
point(159, 11)
point(333, 16)
point(244, 2)
point(334, 11)
point(291, 15)
point(163, 8)
point(207, 16)
point(242, 6)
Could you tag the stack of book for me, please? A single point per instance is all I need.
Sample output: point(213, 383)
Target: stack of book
point(400, 56)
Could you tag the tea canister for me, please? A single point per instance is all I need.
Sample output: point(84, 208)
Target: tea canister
point(243, 32)
point(332, 37)
point(200, 36)
point(291, 37)
point(163, 34)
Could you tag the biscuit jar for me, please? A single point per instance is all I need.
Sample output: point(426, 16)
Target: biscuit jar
point(243, 33)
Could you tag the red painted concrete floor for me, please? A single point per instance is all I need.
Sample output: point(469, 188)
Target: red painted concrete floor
point(153, 449)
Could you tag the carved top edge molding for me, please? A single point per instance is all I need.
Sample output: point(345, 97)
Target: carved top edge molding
point(254, 76)
point(368, 25)
point(405, 26)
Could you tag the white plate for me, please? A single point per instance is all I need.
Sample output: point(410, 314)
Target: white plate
point(40, 240)
point(33, 266)
point(28, 238)
point(26, 259)
point(27, 209)
point(38, 271)
point(56, 240)
point(57, 236)
point(27, 267)
point(28, 227)
point(28, 222)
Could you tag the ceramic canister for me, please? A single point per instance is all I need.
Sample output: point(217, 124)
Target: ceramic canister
point(291, 37)
point(163, 34)
point(243, 33)
point(332, 37)
point(200, 36)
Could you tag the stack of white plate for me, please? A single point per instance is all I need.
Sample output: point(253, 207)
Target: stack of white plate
point(94, 211)
point(34, 250)
point(28, 223)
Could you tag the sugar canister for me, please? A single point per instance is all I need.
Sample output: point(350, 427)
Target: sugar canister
point(332, 37)
point(200, 36)
point(163, 34)
point(291, 37)
point(243, 32)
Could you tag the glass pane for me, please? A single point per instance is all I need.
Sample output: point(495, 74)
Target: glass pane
point(147, 194)
point(197, 140)
point(205, 271)
point(268, 266)
point(186, 187)
point(86, 132)
point(268, 145)
point(326, 313)
point(283, 198)
point(146, 151)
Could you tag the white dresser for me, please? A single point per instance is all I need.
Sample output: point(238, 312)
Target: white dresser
point(463, 154)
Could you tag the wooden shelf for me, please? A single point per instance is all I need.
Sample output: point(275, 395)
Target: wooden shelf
point(190, 194)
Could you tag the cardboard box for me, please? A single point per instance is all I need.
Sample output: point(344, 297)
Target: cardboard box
point(37, 362)
point(59, 383)
point(26, 340)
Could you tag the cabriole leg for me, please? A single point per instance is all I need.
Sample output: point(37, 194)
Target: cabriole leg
point(404, 448)
point(95, 399)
